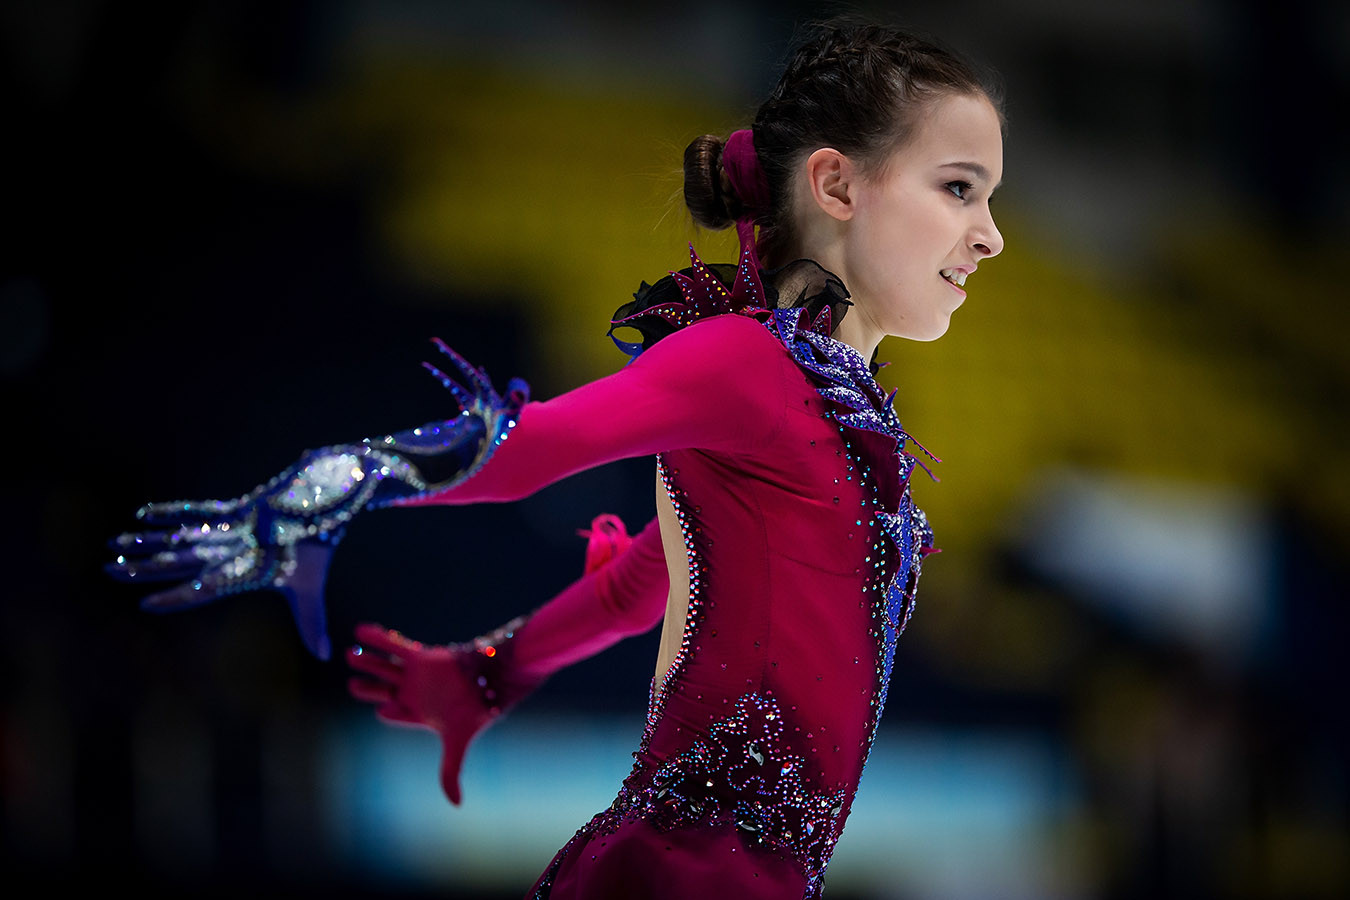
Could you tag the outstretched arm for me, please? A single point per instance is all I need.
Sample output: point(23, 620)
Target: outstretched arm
point(720, 385)
point(282, 534)
point(458, 690)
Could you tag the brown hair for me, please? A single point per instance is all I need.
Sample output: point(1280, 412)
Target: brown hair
point(860, 89)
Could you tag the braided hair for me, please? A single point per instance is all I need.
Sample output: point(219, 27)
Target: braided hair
point(861, 89)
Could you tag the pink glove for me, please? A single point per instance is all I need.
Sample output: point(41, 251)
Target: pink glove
point(444, 689)
point(458, 690)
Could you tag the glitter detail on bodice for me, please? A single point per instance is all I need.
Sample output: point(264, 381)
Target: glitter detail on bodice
point(802, 564)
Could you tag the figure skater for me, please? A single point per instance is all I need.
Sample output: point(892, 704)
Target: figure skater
point(785, 553)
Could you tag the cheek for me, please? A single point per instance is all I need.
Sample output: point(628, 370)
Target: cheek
point(905, 234)
point(897, 258)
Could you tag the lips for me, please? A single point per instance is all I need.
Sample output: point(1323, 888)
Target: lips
point(955, 276)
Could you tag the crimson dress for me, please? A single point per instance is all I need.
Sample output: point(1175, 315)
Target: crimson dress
point(788, 471)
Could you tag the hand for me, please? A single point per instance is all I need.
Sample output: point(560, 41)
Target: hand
point(442, 688)
point(458, 690)
point(213, 549)
point(281, 535)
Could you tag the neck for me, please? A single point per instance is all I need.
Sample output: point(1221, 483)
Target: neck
point(858, 333)
point(857, 329)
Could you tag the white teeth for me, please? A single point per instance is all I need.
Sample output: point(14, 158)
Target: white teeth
point(954, 276)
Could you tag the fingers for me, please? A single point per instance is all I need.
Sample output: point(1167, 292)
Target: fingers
point(384, 696)
point(387, 709)
point(177, 512)
point(368, 691)
point(164, 566)
point(386, 640)
point(184, 596)
point(142, 543)
point(375, 664)
point(173, 556)
point(139, 570)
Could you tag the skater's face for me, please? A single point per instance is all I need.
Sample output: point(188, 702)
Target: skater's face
point(922, 223)
point(905, 234)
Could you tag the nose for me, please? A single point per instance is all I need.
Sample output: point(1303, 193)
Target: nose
point(985, 238)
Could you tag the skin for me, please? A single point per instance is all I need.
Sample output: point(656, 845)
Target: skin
point(889, 233)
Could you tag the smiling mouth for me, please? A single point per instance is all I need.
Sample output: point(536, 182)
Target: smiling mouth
point(954, 277)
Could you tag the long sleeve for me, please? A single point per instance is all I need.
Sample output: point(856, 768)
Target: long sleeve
point(624, 597)
point(718, 385)
point(460, 689)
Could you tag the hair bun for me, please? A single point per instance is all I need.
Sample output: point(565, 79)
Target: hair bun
point(707, 192)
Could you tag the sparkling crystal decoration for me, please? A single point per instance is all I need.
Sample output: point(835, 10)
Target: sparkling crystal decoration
point(749, 770)
point(281, 535)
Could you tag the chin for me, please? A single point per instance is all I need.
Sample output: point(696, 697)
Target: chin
point(929, 331)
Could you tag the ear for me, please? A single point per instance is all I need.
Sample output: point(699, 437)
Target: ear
point(833, 180)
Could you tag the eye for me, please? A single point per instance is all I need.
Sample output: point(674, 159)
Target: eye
point(959, 188)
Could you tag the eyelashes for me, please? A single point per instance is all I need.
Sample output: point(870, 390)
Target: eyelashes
point(960, 189)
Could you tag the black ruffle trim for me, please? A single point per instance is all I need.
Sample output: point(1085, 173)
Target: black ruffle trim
point(800, 284)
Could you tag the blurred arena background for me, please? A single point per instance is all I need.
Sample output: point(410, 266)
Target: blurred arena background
point(233, 226)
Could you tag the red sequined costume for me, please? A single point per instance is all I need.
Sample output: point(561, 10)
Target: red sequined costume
point(788, 475)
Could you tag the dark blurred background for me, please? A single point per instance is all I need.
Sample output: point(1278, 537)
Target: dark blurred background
point(233, 226)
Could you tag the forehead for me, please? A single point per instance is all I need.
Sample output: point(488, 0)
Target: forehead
point(956, 128)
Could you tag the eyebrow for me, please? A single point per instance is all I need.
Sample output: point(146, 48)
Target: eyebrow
point(975, 169)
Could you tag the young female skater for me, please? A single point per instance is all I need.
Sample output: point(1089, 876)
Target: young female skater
point(786, 549)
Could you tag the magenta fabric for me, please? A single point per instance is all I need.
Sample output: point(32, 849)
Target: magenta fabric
point(640, 861)
point(741, 163)
point(721, 386)
point(626, 596)
point(605, 539)
point(779, 679)
point(445, 688)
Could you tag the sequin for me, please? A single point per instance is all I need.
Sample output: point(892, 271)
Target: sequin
point(741, 772)
point(251, 542)
point(740, 764)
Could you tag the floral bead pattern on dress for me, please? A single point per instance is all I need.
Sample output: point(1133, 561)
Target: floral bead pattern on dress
point(739, 777)
point(788, 482)
point(756, 769)
point(758, 731)
point(740, 773)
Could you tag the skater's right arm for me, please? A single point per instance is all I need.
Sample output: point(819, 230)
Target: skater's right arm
point(458, 690)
